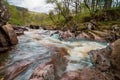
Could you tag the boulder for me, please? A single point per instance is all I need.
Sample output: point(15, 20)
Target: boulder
point(101, 69)
point(67, 35)
point(83, 35)
point(53, 68)
point(19, 30)
point(8, 37)
point(9, 31)
point(101, 58)
point(59, 60)
point(106, 63)
point(97, 37)
point(115, 57)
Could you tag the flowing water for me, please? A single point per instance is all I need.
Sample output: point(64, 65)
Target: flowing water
point(31, 51)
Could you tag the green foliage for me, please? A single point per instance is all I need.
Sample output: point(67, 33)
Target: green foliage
point(64, 9)
point(21, 16)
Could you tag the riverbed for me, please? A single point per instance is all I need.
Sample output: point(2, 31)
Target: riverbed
point(32, 50)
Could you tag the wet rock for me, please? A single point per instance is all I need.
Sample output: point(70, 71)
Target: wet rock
point(19, 30)
point(67, 35)
point(90, 35)
point(34, 27)
point(44, 72)
point(17, 69)
point(83, 35)
point(97, 37)
point(95, 74)
point(106, 63)
point(59, 60)
point(101, 69)
point(37, 79)
point(115, 57)
point(102, 36)
point(7, 37)
point(10, 33)
point(108, 35)
point(101, 58)
point(73, 75)
point(52, 69)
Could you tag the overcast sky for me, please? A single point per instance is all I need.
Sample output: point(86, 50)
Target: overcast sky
point(33, 5)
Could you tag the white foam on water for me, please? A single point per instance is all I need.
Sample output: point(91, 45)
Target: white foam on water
point(78, 50)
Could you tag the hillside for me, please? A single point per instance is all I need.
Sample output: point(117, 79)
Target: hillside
point(22, 16)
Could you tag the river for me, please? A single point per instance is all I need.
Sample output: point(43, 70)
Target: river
point(32, 50)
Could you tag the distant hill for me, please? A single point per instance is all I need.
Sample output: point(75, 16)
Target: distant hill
point(21, 8)
point(22, 16)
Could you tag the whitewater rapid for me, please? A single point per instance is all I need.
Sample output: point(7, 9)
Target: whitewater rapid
point(32, 48)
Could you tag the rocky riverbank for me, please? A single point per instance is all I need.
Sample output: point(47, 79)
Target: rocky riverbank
point(91, 31)
point(38, 56)
point(8, 37)
point(106, 66)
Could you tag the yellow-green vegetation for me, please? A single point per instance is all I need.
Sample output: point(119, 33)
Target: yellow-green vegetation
point(21, 16)
point(69, 13)
point(72, 13)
